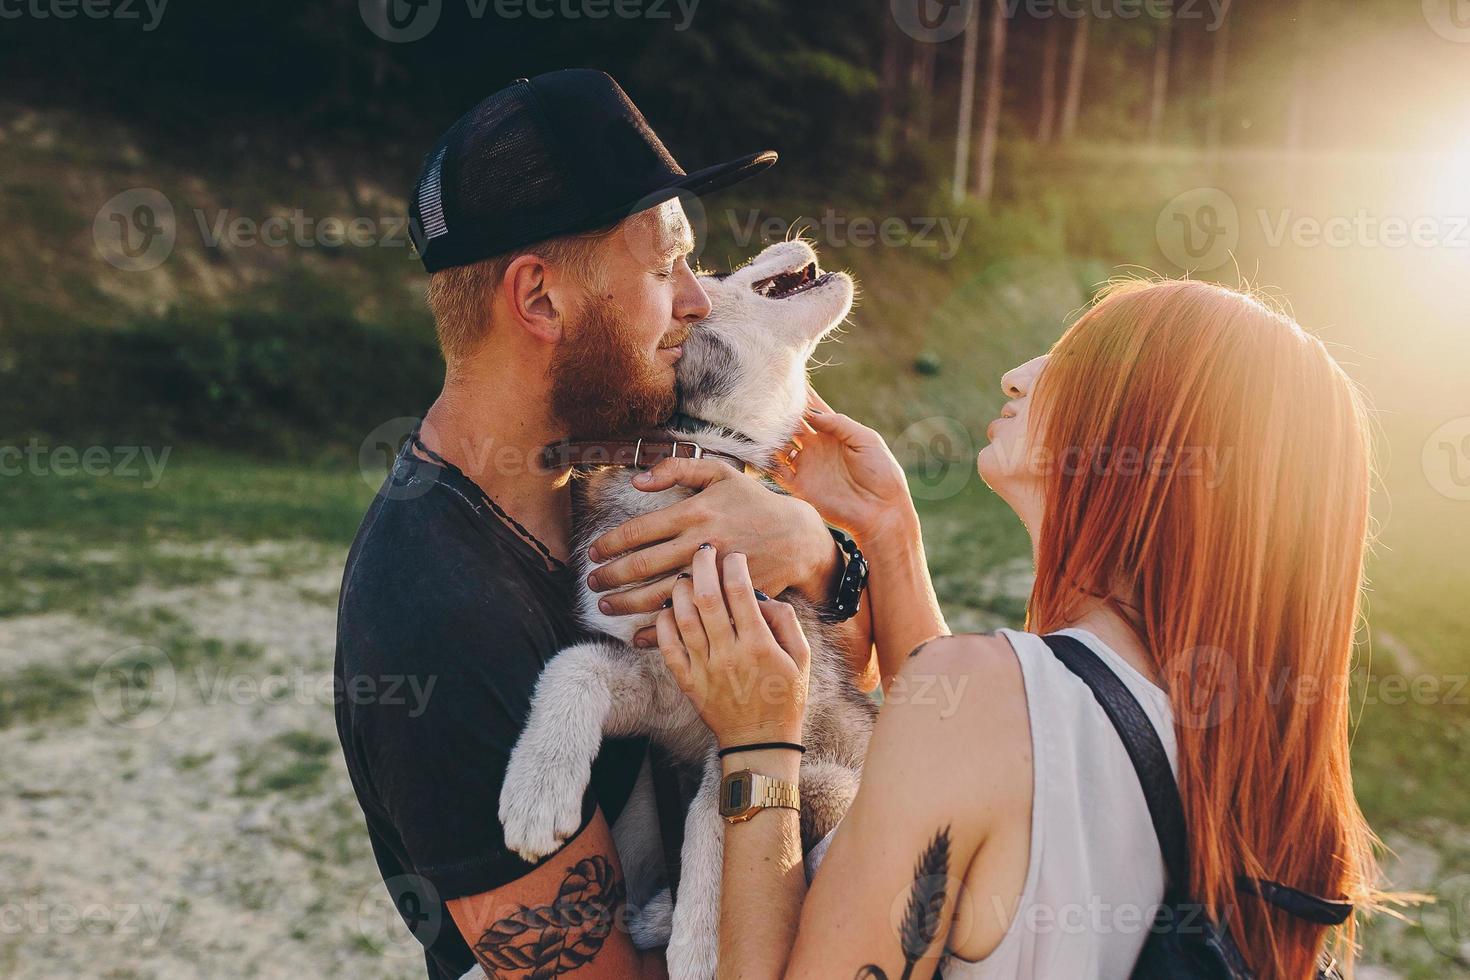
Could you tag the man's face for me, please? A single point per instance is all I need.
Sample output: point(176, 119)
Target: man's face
point(613, 372)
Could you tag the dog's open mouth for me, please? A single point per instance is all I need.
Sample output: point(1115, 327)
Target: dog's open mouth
point(784, 284)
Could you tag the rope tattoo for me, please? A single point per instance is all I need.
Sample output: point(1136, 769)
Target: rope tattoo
point(544, 941)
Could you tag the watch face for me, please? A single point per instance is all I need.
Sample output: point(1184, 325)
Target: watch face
point(735, 797)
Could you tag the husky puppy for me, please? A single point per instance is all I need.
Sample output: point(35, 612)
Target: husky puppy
point(742, 384)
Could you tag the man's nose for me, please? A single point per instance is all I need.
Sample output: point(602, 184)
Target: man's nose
point(692, 303)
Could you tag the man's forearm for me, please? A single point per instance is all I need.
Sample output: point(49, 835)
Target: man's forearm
point(901, 595)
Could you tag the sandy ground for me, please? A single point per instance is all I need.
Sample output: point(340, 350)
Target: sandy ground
point(202, 825)
point(137, 839)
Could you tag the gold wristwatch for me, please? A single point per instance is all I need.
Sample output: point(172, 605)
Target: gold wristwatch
point(743, 794)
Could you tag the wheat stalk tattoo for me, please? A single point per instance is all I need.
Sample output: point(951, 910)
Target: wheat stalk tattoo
point(922, 915)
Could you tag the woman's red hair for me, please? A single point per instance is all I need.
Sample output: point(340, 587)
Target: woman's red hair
point(1208, 471)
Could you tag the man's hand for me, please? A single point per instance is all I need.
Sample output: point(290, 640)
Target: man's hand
point(785, 540)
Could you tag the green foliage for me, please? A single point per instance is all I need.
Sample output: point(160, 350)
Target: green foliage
point(290, 374)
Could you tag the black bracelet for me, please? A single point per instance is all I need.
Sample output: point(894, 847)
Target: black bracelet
point(761, 745)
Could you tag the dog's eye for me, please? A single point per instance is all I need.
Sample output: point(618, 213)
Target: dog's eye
point(717, 276)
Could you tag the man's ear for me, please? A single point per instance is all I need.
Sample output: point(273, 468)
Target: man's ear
point(527, 296)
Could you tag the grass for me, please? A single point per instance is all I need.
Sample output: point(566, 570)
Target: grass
point(88, 540)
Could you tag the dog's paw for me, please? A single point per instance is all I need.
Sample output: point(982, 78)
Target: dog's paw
point(651, 926)
point(540, 805)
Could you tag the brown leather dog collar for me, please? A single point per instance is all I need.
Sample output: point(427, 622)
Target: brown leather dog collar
point(639, 453)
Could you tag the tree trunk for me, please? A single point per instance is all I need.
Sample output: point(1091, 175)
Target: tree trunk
point(1296, 107)
point(1159, 91)
point(888, 91)
point(918, 120)
point(1076, 66)
point(995, 61)
point(967, 103)
point(1219, 61)
point(1048, 119)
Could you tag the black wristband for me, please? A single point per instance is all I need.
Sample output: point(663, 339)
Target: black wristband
point(753, 746)
point(848, 600)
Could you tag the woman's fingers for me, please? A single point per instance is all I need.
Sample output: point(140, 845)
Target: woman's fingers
point(710, 601)
point(781, 619)
point(686, 618)
point(814, 400)
point(740, 595)
point(676, 657)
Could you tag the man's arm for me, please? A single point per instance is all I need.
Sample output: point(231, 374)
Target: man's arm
point(784, 539)
point(568, 914)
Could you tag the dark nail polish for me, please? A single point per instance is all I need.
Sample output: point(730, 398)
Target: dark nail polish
point(704, 546)
point(683, 575)
point(761, 595)
point(668, 604)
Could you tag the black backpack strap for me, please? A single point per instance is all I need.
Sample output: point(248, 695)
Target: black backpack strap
point(1141, 740)
point(1161, 792)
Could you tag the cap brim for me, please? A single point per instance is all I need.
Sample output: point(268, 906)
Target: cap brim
point(722, 175)
point(699, 183)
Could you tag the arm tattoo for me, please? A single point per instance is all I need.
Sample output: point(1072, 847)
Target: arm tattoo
point(536, 943)
point(922, 917)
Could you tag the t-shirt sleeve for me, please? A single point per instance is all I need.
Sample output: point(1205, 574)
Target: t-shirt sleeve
point(436, 753)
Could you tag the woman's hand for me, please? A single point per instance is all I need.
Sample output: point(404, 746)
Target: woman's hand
point(742, 660)
point(845, 470)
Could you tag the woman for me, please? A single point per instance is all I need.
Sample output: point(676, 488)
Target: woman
point(1193, 471)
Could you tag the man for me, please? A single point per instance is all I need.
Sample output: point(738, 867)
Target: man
point(561, 290)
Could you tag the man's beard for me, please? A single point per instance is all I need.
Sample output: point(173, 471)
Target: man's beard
point(602, 384)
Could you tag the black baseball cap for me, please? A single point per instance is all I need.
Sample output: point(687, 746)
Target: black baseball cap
point(560, 153)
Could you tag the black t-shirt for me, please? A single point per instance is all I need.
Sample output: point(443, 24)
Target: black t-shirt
point(445, 620)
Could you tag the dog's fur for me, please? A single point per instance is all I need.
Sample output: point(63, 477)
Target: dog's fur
point(743, 377)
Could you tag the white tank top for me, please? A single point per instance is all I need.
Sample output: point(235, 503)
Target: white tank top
point(1095, 875)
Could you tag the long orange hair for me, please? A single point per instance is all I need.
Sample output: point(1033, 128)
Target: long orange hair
point(1208, 474)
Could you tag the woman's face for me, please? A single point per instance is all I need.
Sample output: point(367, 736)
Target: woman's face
point(1007, 463)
